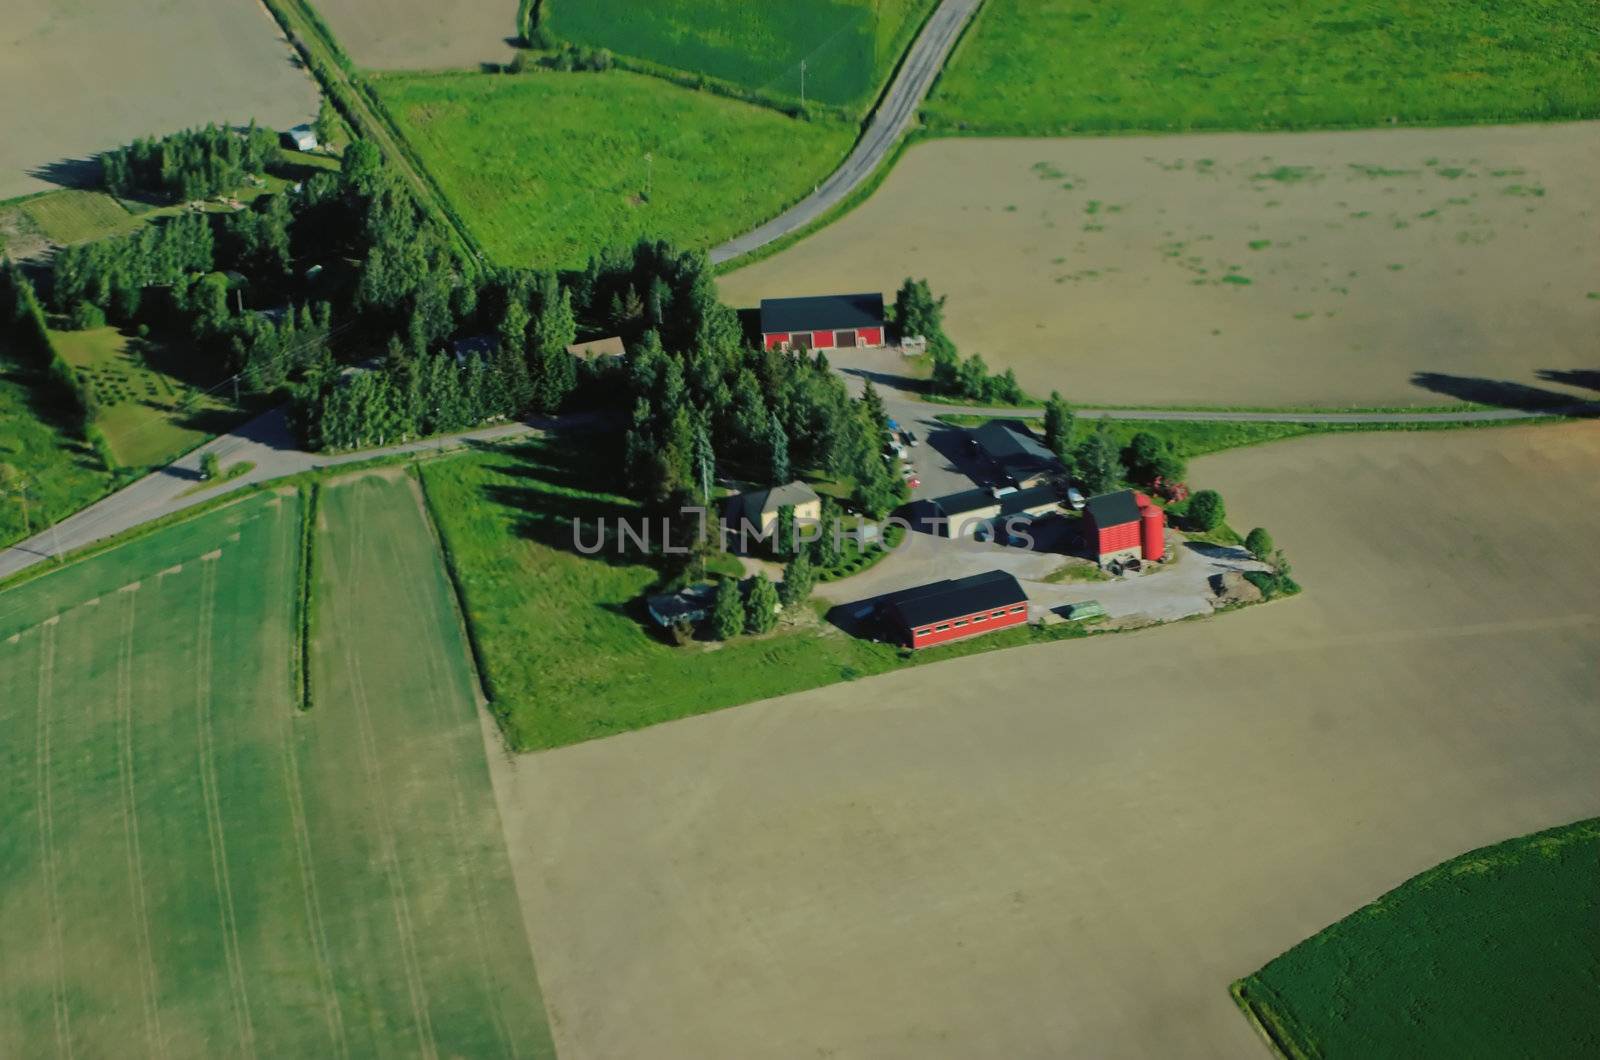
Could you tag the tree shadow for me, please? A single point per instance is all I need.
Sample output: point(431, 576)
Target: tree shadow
point(891, 380)
point(80, 173)
point(1586, 378)
point(1509, 395)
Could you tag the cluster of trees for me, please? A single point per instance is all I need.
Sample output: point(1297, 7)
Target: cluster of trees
point(752, 610)
point(193, 164)
point(112, 275)
point(23, 330)
point(918, 312)
point(1099, 463)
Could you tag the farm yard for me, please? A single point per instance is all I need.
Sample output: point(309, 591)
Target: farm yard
point(1365, 268)
point(549, 168)
point(97, 75)
point(849, 46)
point(198, 867)
point(420, 35)
point(1048, 67)
point(1457, 942)
point(898, 867)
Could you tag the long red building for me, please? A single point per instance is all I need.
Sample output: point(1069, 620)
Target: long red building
point(963, 607)
point(824, 323)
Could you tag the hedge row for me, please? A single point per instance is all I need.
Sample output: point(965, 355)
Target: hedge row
point(26, 323)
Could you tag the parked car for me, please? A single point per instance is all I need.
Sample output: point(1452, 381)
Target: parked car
point(913, 482)
point(909, 437)
point(1075, 499)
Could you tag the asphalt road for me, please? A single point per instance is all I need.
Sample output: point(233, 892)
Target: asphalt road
point(894, 115)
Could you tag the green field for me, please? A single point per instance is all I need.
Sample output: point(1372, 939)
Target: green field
point(72, 216)
point(849, 46)
point(567, 651)
point(63, 473)
point(1493, 953)
point(192, 866)
point(549, 168)
point(1047, 67)
point(148, 414)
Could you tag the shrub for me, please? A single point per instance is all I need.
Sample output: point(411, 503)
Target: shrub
point(1259, 544)
point(210, 467)
point(1206, 511)
point(727, 613)
point(761, 606)
point(85, 315)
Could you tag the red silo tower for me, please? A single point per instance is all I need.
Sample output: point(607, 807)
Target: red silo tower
point(1152, 533)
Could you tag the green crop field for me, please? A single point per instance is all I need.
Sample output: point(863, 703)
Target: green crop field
point(63, 474)
point(149, 415)
point(568, 654)
point(194, 867)
point(849, 46)
point(72, 216)
point(1493, 953)
point(1054, 66)
point(549, 168)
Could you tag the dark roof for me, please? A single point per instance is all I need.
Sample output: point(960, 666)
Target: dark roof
point(966, 501)
point(1112, 509)
point(1022, 500)
point(952, 599)
point(691, 603)
point(823, 313)
point(1010, 443)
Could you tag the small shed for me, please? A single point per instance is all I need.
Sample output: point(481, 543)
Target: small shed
point(301, 138)
point(690, 604)
point(608, 350)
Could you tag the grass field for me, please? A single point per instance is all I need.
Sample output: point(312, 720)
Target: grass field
point(849, 46)
point(63, 473)
point(97, 75)
point(1046, 67)
point(72, 215)
point(1077, 847)
point(199, 869)
point(148, 414)
point(1492, 953)
point(549, 168)
point(1333, 269)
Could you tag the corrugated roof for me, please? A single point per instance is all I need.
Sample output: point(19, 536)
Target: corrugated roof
point(1023, 500)
point(822, 313)
point(948, 599)
point(1112, 509)
point(1010, 443)
point(966, 501)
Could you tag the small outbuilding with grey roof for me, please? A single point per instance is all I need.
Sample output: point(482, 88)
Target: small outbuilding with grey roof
point(822, 323)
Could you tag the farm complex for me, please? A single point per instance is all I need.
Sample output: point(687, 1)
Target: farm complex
point(925, 528)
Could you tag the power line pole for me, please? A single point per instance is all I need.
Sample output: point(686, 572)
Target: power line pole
point(649, 169)
point(802, 84)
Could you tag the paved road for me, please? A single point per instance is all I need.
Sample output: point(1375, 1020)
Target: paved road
point(894, 116)
point(265, 441)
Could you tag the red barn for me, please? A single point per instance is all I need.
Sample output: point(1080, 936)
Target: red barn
point(965, 607)
point(822, 323)
point(1123, 525)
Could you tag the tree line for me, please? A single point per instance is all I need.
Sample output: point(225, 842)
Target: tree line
point(193, 164)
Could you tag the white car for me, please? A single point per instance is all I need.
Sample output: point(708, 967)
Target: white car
point(1075, 499)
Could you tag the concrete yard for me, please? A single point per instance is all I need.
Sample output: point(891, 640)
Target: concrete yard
point(82, 78)
point(1072, 849)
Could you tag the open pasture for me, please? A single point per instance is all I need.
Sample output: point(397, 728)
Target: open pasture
point(848, 46)
point(1045, 67)
point(1074, 849)
point(549, 168)
point(196, 868)
point(1381, 268)
point(421, 34)
point(82, 78)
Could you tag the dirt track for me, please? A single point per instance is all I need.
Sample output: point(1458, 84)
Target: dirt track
point(1072, 849)
point(81, 78)
point(1116, 268)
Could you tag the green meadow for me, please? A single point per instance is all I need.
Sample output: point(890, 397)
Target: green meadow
point(193, 866)
point(63, 474)
point(1493, 953)
point(1047, 67)
point(849, 46)
point(549, 168)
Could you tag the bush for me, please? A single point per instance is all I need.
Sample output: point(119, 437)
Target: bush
point(727, 613)
point(1206, 511)
point(761, 606)
point(1259, 544)
point(85, 315)
point(210, 467)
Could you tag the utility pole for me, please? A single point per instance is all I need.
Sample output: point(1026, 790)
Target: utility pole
point(649, 168)
point(802, 84)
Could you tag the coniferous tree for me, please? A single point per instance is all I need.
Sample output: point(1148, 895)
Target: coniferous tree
point(761, 606)
point(727, 611)
point(778, 447)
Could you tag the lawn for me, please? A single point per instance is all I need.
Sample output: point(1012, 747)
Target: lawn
point(567, 653)
point(849, 46)
point(1048, 67)
point(63, 474)
point(549, 168)
point(197, 868)
point(1493, 953)
point(149, 414)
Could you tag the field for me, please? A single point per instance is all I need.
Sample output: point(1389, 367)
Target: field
point(549, 168)
point(67, 216)
point(849, 46)
point(63, 473)
point(1381, 268)
point(98, 75)
point(1074, 849)
point(149, 415)
point(1463, 943)
point(420, 34)
point(199, 869)
point(1046, 67)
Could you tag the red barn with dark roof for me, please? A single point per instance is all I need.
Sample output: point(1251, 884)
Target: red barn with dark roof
point(823, 323)
point(963, 607)
point(1123, 525)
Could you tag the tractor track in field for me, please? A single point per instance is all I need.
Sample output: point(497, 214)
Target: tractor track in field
point(366, 741)
point(145, 957)
point(214, 826)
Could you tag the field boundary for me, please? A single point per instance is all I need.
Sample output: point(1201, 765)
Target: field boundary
point(305, 597)
point(482, 679)
point(1266, 1023)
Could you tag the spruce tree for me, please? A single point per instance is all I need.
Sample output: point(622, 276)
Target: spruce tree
point(727, 611)
point(761, 606)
